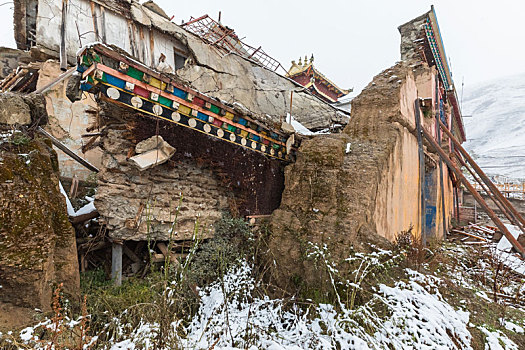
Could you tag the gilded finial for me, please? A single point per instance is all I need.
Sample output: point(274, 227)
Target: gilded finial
point(300, 62)
point(293, 63)
point(305, 60)
point(312, 59)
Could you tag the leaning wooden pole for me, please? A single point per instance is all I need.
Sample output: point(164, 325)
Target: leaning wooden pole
point(484, 177)
point(421, 153)
point(67, 151)
point(500, 205)
point(475, 193)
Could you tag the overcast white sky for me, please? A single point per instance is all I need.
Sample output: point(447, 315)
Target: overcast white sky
point(353, 40)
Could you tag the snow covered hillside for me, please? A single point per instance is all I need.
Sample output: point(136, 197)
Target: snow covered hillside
point(496, 131)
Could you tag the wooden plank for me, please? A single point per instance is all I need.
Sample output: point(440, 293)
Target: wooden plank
point(482, 229)
point(164, 249)
point(515, 214)
point(131, 255)
point(89, 144)
point(94, 17)
point(469, 235)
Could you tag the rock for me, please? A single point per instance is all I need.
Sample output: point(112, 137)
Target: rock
point(37, 107)
point(149, 144)
point(10, 59)
point(37, 242)
point(287, 128)
point(14, 110)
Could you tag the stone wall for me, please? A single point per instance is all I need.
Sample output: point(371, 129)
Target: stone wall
point(213, 177)
point(139, 205)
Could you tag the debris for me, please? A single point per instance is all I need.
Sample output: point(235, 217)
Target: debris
point(153, 151)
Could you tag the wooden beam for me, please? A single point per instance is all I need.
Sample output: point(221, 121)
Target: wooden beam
point(63, 49)
point(84, 217)
point(116, 262)
point(421, 153)
point(116, 56)
point(67, 151)
point(61, 77)
point(95, 23)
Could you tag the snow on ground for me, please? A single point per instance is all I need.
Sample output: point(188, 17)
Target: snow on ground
point(231, 317)
point(502, 251)
point(495, 130)
point(497, 340)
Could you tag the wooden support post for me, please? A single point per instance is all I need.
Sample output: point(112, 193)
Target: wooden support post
point(438, 131)
point(419, 130)
point(116, 262)
point(63, 50)
point(94, 17)
point(476, 195)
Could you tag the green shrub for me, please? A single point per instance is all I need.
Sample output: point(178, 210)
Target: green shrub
point(232, 241)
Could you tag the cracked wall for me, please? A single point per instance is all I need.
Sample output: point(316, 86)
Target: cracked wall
point(360, 187)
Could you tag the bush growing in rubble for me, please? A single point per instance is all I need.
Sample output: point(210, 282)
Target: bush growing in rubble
point(233, 240)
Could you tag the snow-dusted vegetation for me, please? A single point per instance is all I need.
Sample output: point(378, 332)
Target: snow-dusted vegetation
point(442, 299)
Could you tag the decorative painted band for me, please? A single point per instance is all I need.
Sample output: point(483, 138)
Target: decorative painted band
point(123, 81)
point(144, 105)
point(100, 53)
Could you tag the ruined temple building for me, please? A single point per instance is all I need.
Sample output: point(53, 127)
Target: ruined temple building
point(185, 122)
point(313, 80)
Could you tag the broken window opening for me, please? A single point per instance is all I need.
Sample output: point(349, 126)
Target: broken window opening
point(180, 57)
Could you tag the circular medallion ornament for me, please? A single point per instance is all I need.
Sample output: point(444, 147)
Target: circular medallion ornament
point(157, 110)
point(254, 144)
point(192, 122)
point(243, 141)
point(136, 102)
point(220, 133)
point(233, 137)
point(207, 128)
point(263, 148)
point(272, 151)
point(113, 93)
point(210, 119)
point(175, 116)
point(280, 154)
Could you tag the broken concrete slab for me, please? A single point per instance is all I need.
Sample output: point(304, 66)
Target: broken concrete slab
point(153, 151)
